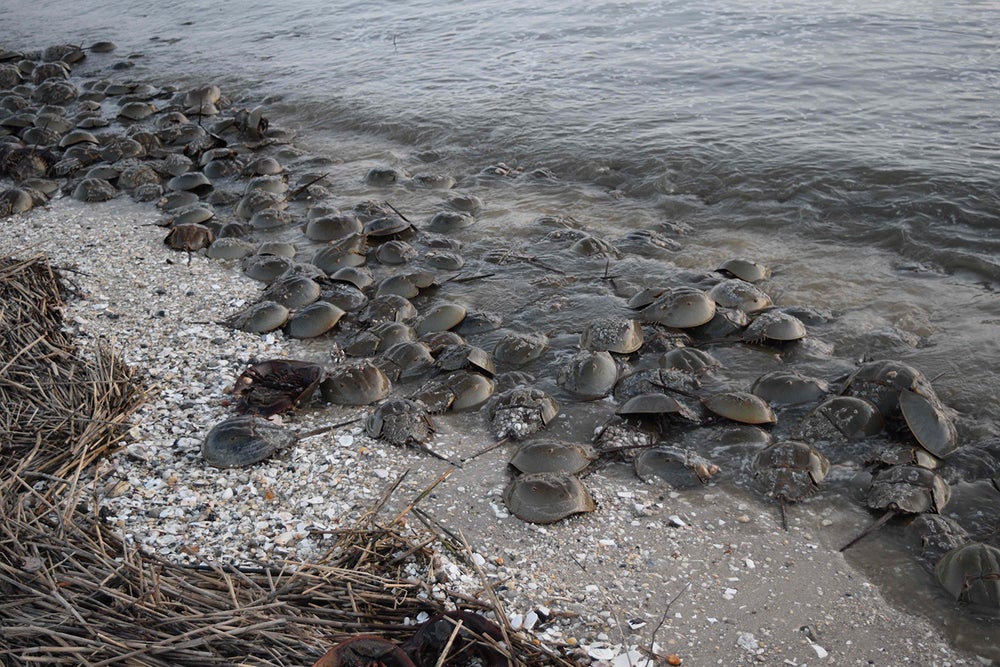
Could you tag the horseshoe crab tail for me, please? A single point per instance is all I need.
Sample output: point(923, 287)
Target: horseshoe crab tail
point(864, 533)
point(784, 521)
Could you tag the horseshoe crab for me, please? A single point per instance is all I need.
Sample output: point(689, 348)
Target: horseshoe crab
point(613, 334)
point(881, 381)
point(745, 269)
point(343, 295)
point(689, 360)
point(332, 227)
point(935, 535)
point(552, 456)
point(788, 471)
point(589, 375)
point(394, 253)
point(680, 308)
point(437, 341)
point(903, 489)
point(190, 237)
point(789, 388)
point(928, 422)
point(359, 383)
point(894, 454)
point(292, 291)
point(445, 260)
point(680, 468)
point(379, 338)
point(441, 317)
point(460, 390)
point(313, 320)
point(739, 294)
point(400, 421)
point(241, 441)
point(387, 308)
point(365, 651)
point(388, 227)
point(470, 638)
point(274, 386)
point(518, 349)
point(659, 408)
point(547, 497)
point(446, 222)
point(259, 317)
point(407, 285)
point(971, 573)
point(841, 417)
point(774, 326)
point(463, 356)
point(656, 380)
point(521, 411)
point(740, 406)
point(406, 360)
point(94, 190)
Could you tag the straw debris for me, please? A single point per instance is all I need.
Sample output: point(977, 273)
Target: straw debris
point(72, 591)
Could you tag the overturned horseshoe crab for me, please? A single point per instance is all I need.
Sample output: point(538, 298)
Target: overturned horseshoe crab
point(903, 489)
point(521, 411)
point(275, 386)
point(788, 471)
point(547, 497)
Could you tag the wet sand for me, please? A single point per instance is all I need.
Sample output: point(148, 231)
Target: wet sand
point(740, 590)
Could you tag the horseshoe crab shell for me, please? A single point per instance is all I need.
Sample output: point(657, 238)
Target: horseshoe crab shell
point(94, 190)
point(881, 381)
point(191, 181)
point(552, 456)
point(841, 417)
point(439, 340)
point(789, 388)
point(790, 470)
point(614, 334)
point(189, 237)
point(910, 489)
point(680, 308)
point(364, 651)
point(547, 497)
point(259, 317)
point(589, 375)
point(971, 573)
point(441, 317)
point(406, 360)
point(388, 227)
point(313, 320)
point(395, 252)
point(387, 308)
point(332, 227)
point(275, 386)
point(929, 423)
point(680, 468)
point(739, 294)
point(265, 268)
point(359, 383)
point(774, 326)
point(465, 356)
point(407, 285)
point(379, 338)
point(935, 535)
point(446, 222)
point(689, 359)
point(400, 421)
point(292, 291)
point(456, 391)
point(656, 404)
point(521, 411)
point(518, 349)
point(745, 269)
point(740, 406)
point(656, 381)
point(242, 441)
point(343, 295)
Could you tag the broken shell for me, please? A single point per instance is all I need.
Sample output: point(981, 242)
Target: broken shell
point(614, 334)
point(740, 406)
point(552, 457)
point(547, 497)
point(241, 441)
point(359, 383)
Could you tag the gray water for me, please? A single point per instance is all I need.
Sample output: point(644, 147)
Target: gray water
point(853, 147)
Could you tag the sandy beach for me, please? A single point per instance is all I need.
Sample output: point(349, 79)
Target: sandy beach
point(709, 575)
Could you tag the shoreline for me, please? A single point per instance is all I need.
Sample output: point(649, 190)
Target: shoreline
point(746, 592)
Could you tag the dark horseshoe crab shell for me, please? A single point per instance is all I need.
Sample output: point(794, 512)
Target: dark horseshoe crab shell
point(680, 468)
point(242, 441)
point(789, 469)
point(910, 489)
point(552, 456)
point(971, 573)
point(270, 387)
point(547, 497)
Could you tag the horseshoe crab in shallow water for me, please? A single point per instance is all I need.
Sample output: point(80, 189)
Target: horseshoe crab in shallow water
point(903, 489)
point(789, 388)
point(463, 356)
point(378, 339)
point(689, 360)
point(680, 308)
point(788, 471)
point(441, 317)
point(839, 418)
point(589, 375)
point(541, 456)
point(774, 326)
point(656, 380)
point(614, 334)
point(928, 422)
point(387, 308)
point(259, 317)
point(521, 411)
point(313, 320)
point(739, 294)
point(935, 535)
point(547, 497)
point(274, 386)
point(881, 381)
point(679, 468)
point(971, 573)
point(241, 441)
point(658, 408)
point(745, 269)
point(400, 421)
point(517, 349)
point(406, 360)
point(740, 406)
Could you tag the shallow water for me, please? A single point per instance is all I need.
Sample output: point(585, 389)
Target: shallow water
point(852, 148)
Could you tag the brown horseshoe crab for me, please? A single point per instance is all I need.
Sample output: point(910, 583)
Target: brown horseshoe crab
point(365, 651)
point(274, 386)
point(740, 406)
point(547, 497)
point(551, 456)
point(788, 471)
point(680, 468)
point(360, 383)
point(521, 411)
point(903, 489)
